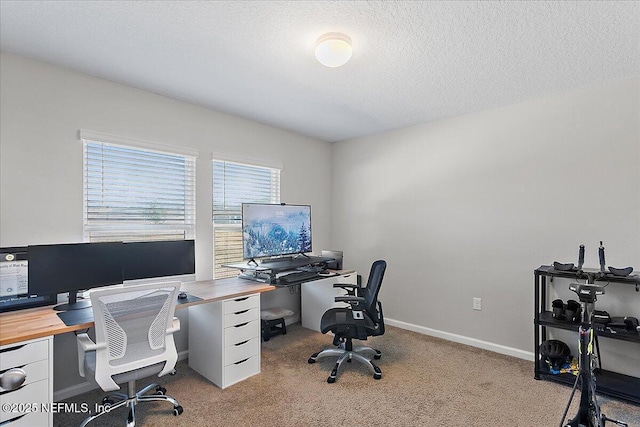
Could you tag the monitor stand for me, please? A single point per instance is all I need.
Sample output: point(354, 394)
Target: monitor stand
point(73, 303)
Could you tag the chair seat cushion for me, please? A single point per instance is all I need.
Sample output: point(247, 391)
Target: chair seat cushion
point(340, 321)
point(147, 371)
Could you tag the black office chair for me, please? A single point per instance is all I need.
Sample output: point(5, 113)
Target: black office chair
point(363, 319)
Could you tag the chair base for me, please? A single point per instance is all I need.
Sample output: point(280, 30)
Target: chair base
point(131, 400)
point(349, 355)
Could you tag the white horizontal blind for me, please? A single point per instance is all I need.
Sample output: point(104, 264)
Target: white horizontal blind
point(234, 184)
point(134, 194)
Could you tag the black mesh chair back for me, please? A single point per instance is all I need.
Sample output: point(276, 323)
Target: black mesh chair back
point(373, 287)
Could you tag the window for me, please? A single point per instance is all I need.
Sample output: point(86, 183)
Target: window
point(137, 191)
point(233, 184)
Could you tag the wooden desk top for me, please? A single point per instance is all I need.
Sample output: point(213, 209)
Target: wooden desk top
point(22, 325)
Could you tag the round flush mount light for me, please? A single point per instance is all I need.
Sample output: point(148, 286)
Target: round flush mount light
point(333, 49)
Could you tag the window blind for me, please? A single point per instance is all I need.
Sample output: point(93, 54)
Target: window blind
point(134, 194)
point(234, 184)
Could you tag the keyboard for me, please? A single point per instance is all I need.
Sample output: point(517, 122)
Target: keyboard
point(298, 276)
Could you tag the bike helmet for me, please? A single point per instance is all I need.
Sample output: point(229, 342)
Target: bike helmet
point(555, 353)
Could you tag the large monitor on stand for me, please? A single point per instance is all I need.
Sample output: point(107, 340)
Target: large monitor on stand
point(275, 230)
point(55, 269)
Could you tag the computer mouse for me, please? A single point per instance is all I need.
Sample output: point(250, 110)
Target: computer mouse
point(182, 295)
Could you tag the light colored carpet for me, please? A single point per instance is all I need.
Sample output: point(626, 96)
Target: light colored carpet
point(426, 381)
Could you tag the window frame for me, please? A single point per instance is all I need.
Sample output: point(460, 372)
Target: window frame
point(136, 230)
point(231, 229)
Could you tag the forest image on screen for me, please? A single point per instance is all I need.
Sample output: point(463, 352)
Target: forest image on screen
point(272, 230)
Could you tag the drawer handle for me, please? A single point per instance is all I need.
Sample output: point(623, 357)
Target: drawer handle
point(241, 325)
point(12, 379)
point(241, 312)
point(241, 299)
point(11, 421)
point(242, 361)
point(241, 343)
point(17, 347)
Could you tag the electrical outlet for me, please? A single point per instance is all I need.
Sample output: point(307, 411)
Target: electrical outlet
point(477, 303)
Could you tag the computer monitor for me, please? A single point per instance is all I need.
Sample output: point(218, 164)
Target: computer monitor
point(55, 269)
point(270, 230)
point(14, 286)
point(142, 260)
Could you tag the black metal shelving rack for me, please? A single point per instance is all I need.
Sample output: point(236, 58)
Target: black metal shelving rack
point(608, 382)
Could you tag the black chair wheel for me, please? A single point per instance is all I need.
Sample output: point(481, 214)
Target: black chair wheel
point(331, 380)
point(377, 356)
point(311, 360)
point(107, 403)
point(161, 391)
point(377, 376)
point(177, 410)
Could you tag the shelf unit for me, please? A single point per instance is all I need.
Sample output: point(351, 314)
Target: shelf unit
point(608, 382)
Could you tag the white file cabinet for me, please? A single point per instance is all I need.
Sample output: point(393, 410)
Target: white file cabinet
point(224, 339)
point(28, 403)
point(318, 297)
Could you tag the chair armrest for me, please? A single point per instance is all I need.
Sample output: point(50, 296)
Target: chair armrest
point(175, 327)
point(356, 303)
point(350, 299)
point(87, 344)
point(345, 285)
point(350, 288)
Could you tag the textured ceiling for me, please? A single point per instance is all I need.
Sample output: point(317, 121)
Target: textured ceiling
point(413, 62)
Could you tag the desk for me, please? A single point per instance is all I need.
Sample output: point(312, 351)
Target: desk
point(23, 325)
point(26, 338)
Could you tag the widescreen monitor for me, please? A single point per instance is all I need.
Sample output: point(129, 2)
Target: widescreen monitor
point(270, 230)
point(142, 260)
point(55, 269)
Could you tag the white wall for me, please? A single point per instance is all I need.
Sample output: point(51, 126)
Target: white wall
point(42, 107)
point(470, 206)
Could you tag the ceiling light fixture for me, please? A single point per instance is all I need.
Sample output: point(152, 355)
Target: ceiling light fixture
point(333, 49)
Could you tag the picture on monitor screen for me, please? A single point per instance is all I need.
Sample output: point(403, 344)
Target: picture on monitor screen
point(273, 230)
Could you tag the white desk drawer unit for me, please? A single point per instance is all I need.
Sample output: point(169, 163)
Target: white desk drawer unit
point(26, 383)
point(224, 339)
point(318, 296)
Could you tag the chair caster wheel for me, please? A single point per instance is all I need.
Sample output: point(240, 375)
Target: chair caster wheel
point(377, 376)
point(173, 372)
point(161, 391)
point(107, 403)
point(177, 410)
point(311, 360)
point(377, 356)
point(331, 380)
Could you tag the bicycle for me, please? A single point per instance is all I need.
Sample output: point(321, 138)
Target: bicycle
point(589, 414)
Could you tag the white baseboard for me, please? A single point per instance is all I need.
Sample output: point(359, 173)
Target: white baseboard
point(86, 386)
point(497, 348)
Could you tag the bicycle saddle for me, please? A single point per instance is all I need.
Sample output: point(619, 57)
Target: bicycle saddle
point(586, 292)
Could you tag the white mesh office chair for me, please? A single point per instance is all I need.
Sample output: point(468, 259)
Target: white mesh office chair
point(134, 339)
